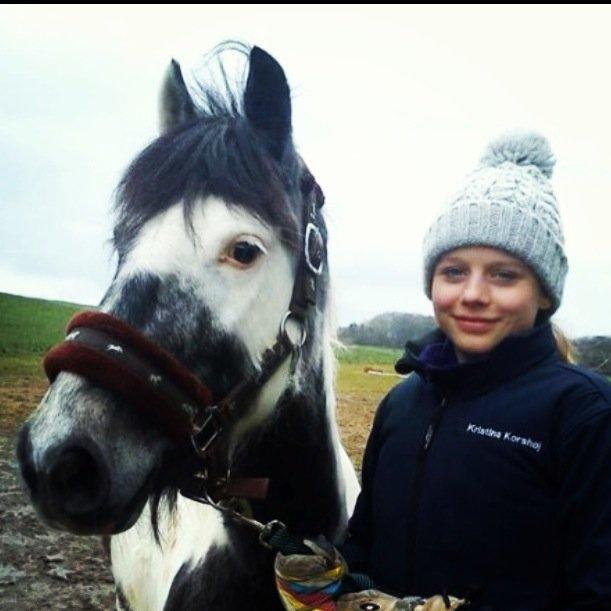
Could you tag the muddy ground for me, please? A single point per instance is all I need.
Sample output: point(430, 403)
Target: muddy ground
point(42, 568)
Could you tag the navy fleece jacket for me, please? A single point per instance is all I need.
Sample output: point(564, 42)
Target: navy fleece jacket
point(491, 479)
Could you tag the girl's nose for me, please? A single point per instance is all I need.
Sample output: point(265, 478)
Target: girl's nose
point(476, 290)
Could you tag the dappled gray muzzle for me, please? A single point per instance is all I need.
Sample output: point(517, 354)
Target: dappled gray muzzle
point(87, 464)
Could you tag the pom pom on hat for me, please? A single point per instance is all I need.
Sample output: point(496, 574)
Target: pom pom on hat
point(523, 148)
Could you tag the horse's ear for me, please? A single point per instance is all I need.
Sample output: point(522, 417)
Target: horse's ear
point(175, 106)
point(267, 101)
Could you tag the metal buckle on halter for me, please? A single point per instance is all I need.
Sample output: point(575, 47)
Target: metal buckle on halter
point(204, 435)
point(313, 249)
point(268, 531)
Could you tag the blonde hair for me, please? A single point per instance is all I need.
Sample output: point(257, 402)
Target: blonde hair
point(567, 350)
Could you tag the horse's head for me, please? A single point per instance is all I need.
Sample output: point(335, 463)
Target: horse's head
point(208, 234)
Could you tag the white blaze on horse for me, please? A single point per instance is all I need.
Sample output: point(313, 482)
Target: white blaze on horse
point(221, 257)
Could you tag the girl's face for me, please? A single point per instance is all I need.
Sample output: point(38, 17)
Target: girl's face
point(481, 295)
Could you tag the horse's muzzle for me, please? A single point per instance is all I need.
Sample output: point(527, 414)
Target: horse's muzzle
point(71, 485)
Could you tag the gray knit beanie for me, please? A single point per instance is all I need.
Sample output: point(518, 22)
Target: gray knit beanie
point(507, 203)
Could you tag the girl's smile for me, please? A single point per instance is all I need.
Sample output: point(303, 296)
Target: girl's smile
point(475, 325)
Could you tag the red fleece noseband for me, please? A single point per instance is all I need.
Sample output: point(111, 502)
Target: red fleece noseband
point(112, 355)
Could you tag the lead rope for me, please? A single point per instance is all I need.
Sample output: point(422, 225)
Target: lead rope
point(275, 536)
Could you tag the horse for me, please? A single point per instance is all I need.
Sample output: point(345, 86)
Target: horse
point(211, 242)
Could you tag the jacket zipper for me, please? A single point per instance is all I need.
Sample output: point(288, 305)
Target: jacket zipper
point(416, 490)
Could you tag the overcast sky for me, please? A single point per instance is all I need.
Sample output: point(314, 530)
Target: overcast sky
point(392, 108)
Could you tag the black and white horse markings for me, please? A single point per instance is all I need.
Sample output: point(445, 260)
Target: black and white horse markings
point(208, 234)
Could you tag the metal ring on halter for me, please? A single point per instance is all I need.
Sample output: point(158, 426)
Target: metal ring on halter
point(311, 228)
point(304, 333)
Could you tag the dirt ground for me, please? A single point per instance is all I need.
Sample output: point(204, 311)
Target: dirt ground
point(46, 569)
point(41, 568)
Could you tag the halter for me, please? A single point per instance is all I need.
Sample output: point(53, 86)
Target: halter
point(115, 356)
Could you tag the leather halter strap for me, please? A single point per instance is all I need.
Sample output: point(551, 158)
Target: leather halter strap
point(118, 358)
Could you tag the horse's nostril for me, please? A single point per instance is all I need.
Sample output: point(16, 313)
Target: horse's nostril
point(78, 480)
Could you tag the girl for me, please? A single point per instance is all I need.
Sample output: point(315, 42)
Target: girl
point(488, 470)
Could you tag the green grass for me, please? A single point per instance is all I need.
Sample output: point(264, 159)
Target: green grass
point(20, 365)
point(32, 326)
point(352, 378)
point(367, 355)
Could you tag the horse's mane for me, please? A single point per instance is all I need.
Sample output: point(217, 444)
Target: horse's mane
point(217, 153)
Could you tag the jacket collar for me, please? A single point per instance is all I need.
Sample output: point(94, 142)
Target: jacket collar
point(433, 357)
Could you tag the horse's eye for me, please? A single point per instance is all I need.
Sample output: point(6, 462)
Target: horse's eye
point(245, 252)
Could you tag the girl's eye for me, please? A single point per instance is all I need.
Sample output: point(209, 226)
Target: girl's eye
point(505, 275)
point(244, 252)
point(452, 272)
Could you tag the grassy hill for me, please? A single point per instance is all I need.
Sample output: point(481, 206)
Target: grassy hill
point(32, 326)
